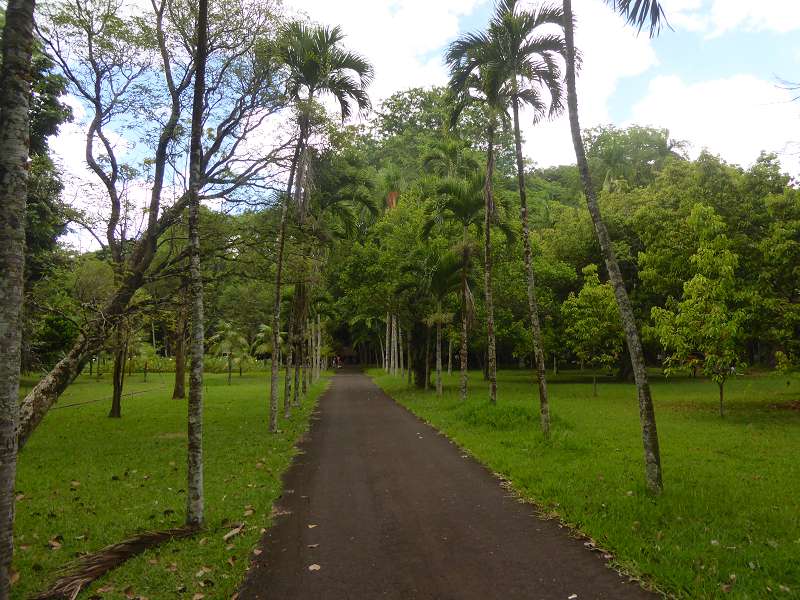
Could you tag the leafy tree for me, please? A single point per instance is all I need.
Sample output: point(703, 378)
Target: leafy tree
point(703, 329)
point(230, 344)
point(592, 327)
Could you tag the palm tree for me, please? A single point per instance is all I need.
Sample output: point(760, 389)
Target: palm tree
point(316, 65)
point(230, 343)
point(15, 99)
point(637, 12)
point(445, 279)
point(477, 76)
point(462, 201)
point(531, 60)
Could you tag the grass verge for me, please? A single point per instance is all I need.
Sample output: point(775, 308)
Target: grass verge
point(86, 481)
point(728, 523)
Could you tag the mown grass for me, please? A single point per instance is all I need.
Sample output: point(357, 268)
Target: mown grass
point(86, 481)
point(728, 523)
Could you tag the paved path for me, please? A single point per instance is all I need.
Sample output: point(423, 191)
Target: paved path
point(390, 509)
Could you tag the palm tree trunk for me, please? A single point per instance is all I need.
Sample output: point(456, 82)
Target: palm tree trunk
point(287, 380)
point(450, 355)
point(647, 415)
point(400, 349)
point(386, 352)
point(179, 389)
point(464, 318)
point(439, 358)
point(276, 310)
point(487, 264)
point(14, 148)
point(533, 304)
point(409, 368)
point(194, 490)
point(427, 358)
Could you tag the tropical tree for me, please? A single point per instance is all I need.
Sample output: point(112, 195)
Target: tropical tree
point(316, 65)
point(592, 326)
point(477, 76)
point(637, 12)
point(445, 279)
point(530, 58)
point(460, 201)
point(704, 329)
point(229, 343)
point(15, 98)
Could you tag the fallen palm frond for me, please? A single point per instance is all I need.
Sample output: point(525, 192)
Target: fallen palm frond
point(78, 574)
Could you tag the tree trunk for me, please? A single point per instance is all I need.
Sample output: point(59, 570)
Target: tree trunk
point(118, 378)
point(386, 366)
point(230, 367)
point(145, 371)
point(491, 359)
point(647, 416)
point(319, 347)
point(400, 349)
point(439, 359)
point(179, 389)
point(14, 148)
point(721, 407)
point(194, 489)
point(555, 364)
point(409, 363)
point(594, 385)
point(287, 379)
point(276, 310)
point(427, 358)
point(450, 356)
point(464, 319)
point(533, 304)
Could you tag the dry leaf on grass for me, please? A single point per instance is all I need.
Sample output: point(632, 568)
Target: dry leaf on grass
point(233, 532)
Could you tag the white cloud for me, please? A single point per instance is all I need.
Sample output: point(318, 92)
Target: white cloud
point(611, 52)
point(736, 117)
point(716, 17)
point(401, 38)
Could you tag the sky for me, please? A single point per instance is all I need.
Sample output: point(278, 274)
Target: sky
point(713, 79)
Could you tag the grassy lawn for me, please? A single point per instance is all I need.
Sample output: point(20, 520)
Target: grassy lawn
point(728, 524)
point(86, 481)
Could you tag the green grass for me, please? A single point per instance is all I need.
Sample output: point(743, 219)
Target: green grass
point(728, 523)
point(86, 481)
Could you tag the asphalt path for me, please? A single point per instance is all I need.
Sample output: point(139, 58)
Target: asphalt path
point(379, 505)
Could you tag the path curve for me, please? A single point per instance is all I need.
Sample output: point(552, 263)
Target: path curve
point(388, 508)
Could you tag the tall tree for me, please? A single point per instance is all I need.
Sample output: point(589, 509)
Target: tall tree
point(15, 99)
point(531, 60)
point(639, 12)
point(317, 65)
point(194, 493)
point(477, 76)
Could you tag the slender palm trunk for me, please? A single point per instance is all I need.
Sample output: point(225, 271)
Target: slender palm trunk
point(491, 364)
point(721, 398)
point(179, 389)
point(400, 349)
point(439, 359)
point(533, 304)
point(194, 490)
point(14, 149)
point(464, 319)
point(386, 361)
point(276, 310)
point(450, 356)
point(647, 417)
point(409, 370)
point(287, 380)
point(427, 358)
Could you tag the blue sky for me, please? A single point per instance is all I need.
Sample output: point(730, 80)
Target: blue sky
point(712, 80)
